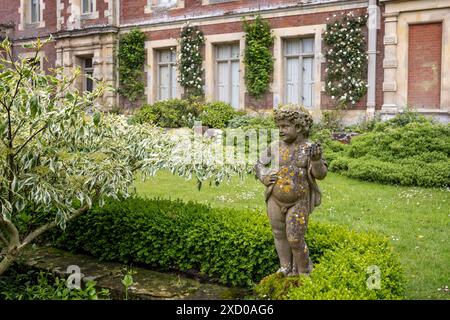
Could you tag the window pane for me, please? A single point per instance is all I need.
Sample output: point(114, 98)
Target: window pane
point(235, 51)
point(173, 77)
point(235, 84)
point(308, 45)
point(223, 81)
point(165, 56)
point(164, 82)
point(293, 46)
point(308, 81)
point(89, 83)
point(86, 6)
point(88, 63)
point(223, 52)
point(292, 80)
point(35, 11)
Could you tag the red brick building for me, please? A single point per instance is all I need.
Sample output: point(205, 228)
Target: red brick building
point(408, 42)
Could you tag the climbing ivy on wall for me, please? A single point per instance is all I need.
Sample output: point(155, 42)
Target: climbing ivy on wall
point(131, 64)
point(346, 58)
point(190, 61)
point(258, 57)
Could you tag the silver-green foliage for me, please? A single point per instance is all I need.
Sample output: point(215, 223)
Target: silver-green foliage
point(59, 154)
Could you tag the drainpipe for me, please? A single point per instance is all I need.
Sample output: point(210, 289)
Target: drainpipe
point(373, 25)
point(117, 24)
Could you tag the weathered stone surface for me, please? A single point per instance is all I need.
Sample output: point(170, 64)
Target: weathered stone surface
point(148, 284)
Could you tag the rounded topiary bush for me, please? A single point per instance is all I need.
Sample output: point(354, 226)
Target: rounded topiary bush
point(233, 247)
point(345, 262)
point(217, 114)
point(174, 113)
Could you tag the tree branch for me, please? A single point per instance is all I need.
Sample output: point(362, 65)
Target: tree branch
point(36, 233)
point(12, 230)
point(4, 240)
point(29, 139)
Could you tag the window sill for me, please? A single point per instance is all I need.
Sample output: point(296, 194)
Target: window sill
point(33, 25)
point(212, 2)
point(155, 8)
point(89, 16)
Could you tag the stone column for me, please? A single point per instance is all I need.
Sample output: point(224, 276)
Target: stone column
point(390, 106)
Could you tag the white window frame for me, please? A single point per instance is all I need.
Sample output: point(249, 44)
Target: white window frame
point(173, 75)
point(28, 19)
point(91, 7)
point(229, 60)
point(300, 56)
point(208, 2)
point(154, 5)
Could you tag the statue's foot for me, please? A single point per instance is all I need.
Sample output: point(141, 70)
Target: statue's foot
point(284, 270)
point(307, 272)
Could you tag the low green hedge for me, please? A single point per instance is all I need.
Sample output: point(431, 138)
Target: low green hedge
point(230, 246)
point(341, 271)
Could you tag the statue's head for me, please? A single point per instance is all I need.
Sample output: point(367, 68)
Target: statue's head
point(293, 120)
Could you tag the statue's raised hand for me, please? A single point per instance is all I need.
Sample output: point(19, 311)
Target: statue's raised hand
point(270, 179)
point(316, 151)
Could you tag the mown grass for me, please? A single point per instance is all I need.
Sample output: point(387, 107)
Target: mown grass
point(417, 220)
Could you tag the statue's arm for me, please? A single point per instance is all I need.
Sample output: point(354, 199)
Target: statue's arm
point(262, 169)
point(319, 169)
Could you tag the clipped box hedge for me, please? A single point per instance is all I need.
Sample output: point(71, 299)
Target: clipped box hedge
point(231, 246)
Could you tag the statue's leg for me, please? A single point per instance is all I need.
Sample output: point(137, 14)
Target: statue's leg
point(296, 225)
point(278, 223)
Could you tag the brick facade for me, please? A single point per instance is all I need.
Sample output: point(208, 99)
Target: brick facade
point(425, 55)
point(96, 35)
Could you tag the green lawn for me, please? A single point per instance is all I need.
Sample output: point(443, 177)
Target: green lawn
point(417, 220)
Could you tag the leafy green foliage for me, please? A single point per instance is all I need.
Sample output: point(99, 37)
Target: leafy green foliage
point(21, 284)
point(342, 258)
point(217, 114)
point(411, 151)
point(173, 113)
point(258, 57)
point(232, 246)
point(59, 155)
point(190, 61)
point(131, 64)
point(347, 59)
point(252, 121)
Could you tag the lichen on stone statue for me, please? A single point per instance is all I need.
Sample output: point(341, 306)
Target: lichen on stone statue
point(289, 169)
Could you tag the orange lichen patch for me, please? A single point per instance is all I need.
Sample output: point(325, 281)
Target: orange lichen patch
point(285, 154)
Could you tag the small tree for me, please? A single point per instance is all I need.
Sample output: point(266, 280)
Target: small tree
point(59, 155)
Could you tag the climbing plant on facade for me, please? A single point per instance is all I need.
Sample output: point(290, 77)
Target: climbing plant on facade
point(258, 57)
point(131, 64)
point(346, 58)
point(190, 61)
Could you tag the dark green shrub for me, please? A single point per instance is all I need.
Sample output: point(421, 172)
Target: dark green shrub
point(405, 152)
point(173, 113)
point(131, 64)
point(217, 114)
point(258, 57)
point(234, 247)
point(342, 259)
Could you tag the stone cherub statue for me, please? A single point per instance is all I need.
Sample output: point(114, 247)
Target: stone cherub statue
point(292, 192)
